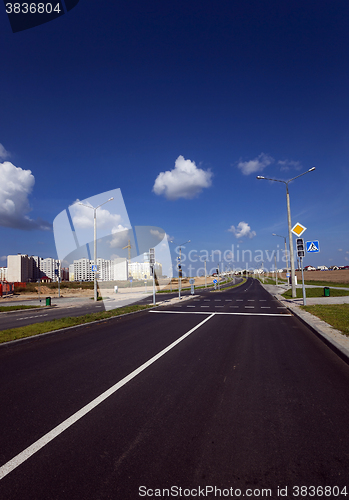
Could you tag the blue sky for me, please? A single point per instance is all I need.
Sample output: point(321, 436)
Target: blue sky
point(180, 105)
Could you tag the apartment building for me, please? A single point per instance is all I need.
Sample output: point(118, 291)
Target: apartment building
point(23, 268)
point(3, 274)
point(108, 270)
point(141, 270)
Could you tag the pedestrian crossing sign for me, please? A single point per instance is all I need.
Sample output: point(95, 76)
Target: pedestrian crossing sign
point(313, 246)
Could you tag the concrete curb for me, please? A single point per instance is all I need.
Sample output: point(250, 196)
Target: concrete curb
point(333, 338)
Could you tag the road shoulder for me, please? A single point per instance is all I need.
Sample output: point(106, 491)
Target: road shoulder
point(335, 339)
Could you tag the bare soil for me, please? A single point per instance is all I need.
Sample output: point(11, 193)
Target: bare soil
point(338, 276)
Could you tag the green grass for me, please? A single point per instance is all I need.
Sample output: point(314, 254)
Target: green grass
point(315, 292)
point(232, 286)
point(56, 324)
point(16, 308)
point(336, 315)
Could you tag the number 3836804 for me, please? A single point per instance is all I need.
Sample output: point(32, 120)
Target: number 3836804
point(32, 8)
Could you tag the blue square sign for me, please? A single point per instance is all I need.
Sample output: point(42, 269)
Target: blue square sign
point(313, 246)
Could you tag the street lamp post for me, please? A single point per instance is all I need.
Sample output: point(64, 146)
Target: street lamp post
point(287, 263)
point(294, 293)
point(180, 268)
point(95, 242)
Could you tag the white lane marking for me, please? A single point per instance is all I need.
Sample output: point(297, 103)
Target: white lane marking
point(190, 306)
point(232, 313)
point(29, 317)
point(207, 300)
point(262, 300)
point(235, 306)
point(239, 300)
point(204, 306)
point(219, 306)
point(40, 443)
point(265, 307)
point(249, 307)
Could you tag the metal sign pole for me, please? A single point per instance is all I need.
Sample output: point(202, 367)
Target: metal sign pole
point(303, 287)
point(154, 301)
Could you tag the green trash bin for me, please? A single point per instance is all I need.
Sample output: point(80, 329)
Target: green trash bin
point(326, 291)
point(48, 301)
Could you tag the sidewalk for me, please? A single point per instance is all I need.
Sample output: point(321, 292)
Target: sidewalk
point(335, 339)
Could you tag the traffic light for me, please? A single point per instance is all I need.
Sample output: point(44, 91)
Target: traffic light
point(300, 247)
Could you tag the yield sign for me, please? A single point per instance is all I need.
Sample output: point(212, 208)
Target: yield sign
point(298, 229)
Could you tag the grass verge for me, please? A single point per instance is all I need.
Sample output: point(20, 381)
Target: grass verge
point(57, 324)
point(17, 308)
point(336, 315)
point(232, 286)
point(315, 292)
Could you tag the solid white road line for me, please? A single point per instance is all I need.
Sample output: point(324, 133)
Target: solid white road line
point(28, 452)
point(231, 313)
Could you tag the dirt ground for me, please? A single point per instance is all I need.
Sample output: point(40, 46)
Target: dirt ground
point(338, 276)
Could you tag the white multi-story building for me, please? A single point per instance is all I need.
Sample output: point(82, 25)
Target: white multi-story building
point(71, 272)
point(108, 270)
point(3, 273)
point(119, 269)
point(83, 270)
point(22, 268)
point(19, 268)
point(141, 270)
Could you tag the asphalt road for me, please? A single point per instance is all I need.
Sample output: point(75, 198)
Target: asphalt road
point(25, 317)
point(248, 399)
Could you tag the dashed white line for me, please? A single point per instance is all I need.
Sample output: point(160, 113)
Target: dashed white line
point(249, 307)
point(29, 317)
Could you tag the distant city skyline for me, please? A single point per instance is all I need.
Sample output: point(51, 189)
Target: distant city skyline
point(181, 106)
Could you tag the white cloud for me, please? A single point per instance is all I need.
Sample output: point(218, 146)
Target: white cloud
point(120, 236)
point(82, 217)
point(3, 153)
point(186, 180)
point(340, 249)
point(256, 165)
point(287, 164)
point(161, 235)
point(15, 187)
point(242, 229)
